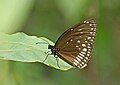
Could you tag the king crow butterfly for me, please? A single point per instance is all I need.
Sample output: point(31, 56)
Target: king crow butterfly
point(75, 45)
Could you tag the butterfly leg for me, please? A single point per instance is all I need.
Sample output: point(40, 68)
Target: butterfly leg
point(44, 52)
point(45, 58)
point(57, 61)
point(47, 52)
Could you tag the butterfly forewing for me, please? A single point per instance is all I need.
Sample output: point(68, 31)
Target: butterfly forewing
point(75, 45)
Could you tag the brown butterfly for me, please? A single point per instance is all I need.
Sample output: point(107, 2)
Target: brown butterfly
point(75, 45)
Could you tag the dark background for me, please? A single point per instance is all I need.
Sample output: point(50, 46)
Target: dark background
point(50, 18)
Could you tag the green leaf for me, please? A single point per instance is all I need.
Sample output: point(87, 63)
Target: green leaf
point(23, 48)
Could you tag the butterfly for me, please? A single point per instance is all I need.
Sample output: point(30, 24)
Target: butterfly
point(75, 45)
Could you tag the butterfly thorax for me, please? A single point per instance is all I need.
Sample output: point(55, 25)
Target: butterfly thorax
point(53, 49)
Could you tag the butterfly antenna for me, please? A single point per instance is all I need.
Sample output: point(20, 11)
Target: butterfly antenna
point(46, 42)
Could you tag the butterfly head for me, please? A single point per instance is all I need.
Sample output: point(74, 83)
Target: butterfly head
point(53, 49)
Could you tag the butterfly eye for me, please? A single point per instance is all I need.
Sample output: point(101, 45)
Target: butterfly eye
point(75, 45)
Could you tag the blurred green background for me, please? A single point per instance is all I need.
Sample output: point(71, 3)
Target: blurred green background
point(50, 18)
